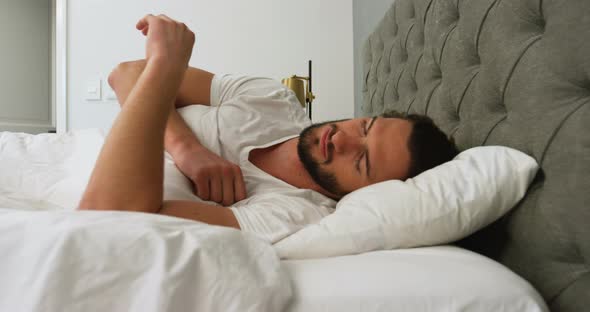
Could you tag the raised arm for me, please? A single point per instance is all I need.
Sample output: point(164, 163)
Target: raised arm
point(128, 174)
point(213, 177)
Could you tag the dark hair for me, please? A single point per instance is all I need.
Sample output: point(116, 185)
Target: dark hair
point(429, 146)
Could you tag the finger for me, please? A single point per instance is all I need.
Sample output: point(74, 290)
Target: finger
point(216, 189)
point(228, 188)
point(239, 185)
point(203, 190)
point(144, 22)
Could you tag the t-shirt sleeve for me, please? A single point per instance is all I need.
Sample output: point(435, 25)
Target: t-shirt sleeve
point(275, 219)
point(226, 87)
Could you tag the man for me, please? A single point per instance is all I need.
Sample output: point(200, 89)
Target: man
point(249, 145)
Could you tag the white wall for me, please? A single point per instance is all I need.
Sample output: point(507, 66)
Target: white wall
point(367, 15)
point(257, 37)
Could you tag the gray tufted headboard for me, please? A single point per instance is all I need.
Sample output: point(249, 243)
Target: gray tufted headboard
point(513, 73)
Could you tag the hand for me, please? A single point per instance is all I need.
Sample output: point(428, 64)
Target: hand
point(167, 40)
point(213, 177)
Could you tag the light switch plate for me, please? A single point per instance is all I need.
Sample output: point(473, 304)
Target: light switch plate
point(93, 90)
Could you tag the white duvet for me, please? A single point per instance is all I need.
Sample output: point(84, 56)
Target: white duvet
point(56, 259)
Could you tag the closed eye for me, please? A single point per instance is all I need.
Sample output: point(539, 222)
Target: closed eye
point(366, 154)
point(365, 130)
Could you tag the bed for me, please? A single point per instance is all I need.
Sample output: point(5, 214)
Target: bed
point(67, 260)
point(513, 73)
point(489, 72)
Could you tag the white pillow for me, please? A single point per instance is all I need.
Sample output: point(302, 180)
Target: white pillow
point(438, 206)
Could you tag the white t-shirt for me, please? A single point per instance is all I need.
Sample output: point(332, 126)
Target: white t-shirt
point(248, 113)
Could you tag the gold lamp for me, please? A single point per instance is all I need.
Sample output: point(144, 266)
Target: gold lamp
point(301, 86)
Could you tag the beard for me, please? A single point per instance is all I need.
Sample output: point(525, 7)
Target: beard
point(321, 176)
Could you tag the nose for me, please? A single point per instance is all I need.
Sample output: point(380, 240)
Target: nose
point(345, 143)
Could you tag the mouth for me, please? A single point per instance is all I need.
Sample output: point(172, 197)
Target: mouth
point(324, 142)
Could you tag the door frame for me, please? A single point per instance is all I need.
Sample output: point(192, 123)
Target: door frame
point(57, 119)
point(59, 84)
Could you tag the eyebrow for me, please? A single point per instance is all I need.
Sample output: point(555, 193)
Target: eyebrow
point(367, 163)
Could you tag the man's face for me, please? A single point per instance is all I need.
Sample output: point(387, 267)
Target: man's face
point(342, 156)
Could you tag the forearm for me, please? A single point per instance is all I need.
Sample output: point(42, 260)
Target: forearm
point(194, 89)
point(178, 136)
point(200, 212)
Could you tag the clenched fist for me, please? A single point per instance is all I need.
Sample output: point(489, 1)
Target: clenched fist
point(168, 41)
point(213, 177)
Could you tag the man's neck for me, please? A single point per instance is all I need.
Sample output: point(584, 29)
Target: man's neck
point(282, 162)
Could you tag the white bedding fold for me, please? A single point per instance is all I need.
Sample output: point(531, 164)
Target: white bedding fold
point(123, 261)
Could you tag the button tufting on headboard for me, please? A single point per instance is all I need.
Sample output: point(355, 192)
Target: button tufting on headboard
point(513, 73)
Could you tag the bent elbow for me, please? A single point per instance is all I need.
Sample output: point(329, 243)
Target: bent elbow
point(118, 73)
point(113, 77)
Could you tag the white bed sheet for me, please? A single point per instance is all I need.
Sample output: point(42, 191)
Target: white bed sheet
point(68, 261)
point(443, 278)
